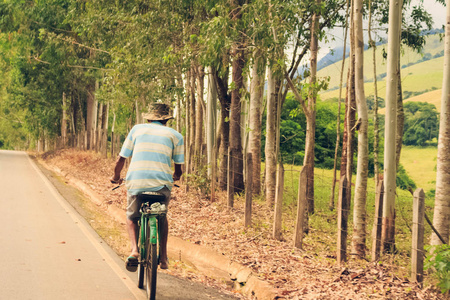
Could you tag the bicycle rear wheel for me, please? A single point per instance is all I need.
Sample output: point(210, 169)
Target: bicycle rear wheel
point(152, 266)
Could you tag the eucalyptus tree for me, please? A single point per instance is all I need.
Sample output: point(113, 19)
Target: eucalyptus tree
point(331, 12)
point(359, 209)
point(44, 67)
point(441, 218)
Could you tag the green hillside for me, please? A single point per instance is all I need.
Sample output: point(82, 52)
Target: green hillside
point(418, 77)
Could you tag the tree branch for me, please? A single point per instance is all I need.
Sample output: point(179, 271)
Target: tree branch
point(297, 94)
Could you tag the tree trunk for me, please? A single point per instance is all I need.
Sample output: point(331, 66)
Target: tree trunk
point(256, 95)
point(441, 219)
point(376, 134)
point(388, 222)
point(91, 116)
point(192, 128)
point(270, 147)
point(235, 118)
point(225, 102)
point(359, 209)
point(64, 120)
point(188, 122)
point(400, 118)
point(199, 117)
point(338, 123)
point(179, 102)
point(211, 120)
point(308, 161)
point(277, 222)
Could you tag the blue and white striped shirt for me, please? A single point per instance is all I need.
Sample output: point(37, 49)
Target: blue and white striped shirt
point(152, 146)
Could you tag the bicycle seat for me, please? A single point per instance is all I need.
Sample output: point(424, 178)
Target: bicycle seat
point(151, 197)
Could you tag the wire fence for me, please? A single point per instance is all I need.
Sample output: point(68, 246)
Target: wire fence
point(368, 236)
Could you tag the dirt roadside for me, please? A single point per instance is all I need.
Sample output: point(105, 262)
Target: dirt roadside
point(295, 274)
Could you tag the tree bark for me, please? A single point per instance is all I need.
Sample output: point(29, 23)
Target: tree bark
point(211, 120)
point(199, 117)
point(359, 209)
point(338, 123)
point(388, 222)
point(188, 123)
point(441, 218)
point(225, 102)
point(256, 95)
point(192, 107)
point(376, 134)
point(400, 118)
point(310, 114)
point(64, 120)
point(270, 147)
point(91, 116)
point(235, 118)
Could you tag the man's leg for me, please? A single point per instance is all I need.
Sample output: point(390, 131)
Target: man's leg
point(133, 232)
point(164, 234)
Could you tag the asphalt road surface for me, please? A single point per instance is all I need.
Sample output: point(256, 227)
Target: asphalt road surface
point(48, 251)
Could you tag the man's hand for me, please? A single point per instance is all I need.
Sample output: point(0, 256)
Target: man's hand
point(114, 180)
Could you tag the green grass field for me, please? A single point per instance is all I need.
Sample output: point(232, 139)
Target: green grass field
point(418, 162)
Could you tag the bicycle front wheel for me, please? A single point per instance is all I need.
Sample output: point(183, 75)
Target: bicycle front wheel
point(152, 266)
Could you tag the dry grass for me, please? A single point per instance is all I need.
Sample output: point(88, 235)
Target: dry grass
point(310, 273)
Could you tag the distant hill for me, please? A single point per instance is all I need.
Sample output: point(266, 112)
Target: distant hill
point(420, 72)
point(433, 97)
point(335, 55)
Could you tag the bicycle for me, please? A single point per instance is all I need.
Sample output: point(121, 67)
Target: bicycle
point(153, 215)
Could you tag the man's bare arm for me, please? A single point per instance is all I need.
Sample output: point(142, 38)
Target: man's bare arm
point(178, 172)
point(120, 162)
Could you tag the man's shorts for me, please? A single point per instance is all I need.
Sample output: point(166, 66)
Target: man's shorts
point(134, 204)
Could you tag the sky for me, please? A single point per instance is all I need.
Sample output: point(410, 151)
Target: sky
point(437, 10)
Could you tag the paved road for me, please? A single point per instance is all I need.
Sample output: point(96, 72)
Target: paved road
point(48, 251)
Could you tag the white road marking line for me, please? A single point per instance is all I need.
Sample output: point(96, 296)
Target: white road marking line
point(108, 259)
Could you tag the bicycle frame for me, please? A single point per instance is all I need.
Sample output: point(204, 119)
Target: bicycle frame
point(148, 218)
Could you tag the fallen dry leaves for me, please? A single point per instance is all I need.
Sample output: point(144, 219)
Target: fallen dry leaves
point(296, 274)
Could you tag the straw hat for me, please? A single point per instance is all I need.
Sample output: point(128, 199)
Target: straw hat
point(158, 112)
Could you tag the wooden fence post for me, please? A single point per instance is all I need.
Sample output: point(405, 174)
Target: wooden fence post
point(230, 188)
point(278, 203)
point(343, 210)
point(417, 236)
point(248, 192)
point(377, 221)
point(301, 207)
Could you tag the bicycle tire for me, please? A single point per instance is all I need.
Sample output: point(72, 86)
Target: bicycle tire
point(142, 265)
point(151, 270)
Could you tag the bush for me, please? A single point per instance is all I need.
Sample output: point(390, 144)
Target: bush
point(438, 261)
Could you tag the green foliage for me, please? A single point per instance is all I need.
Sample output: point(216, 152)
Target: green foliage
point(199, 180)
point(403, 181)
point(438, 262)
point(421, 123)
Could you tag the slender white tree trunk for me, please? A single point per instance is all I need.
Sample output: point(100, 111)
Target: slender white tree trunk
point(256, 95)
point(359, 208)
point(270, 148)
point(441, 219)
point(212, 118)
point(390, 170)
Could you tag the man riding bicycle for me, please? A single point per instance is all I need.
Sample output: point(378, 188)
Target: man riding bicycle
point(152, 147)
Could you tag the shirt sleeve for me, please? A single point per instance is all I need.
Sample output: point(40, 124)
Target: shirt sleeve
point(178, 152)
point(128, 145)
